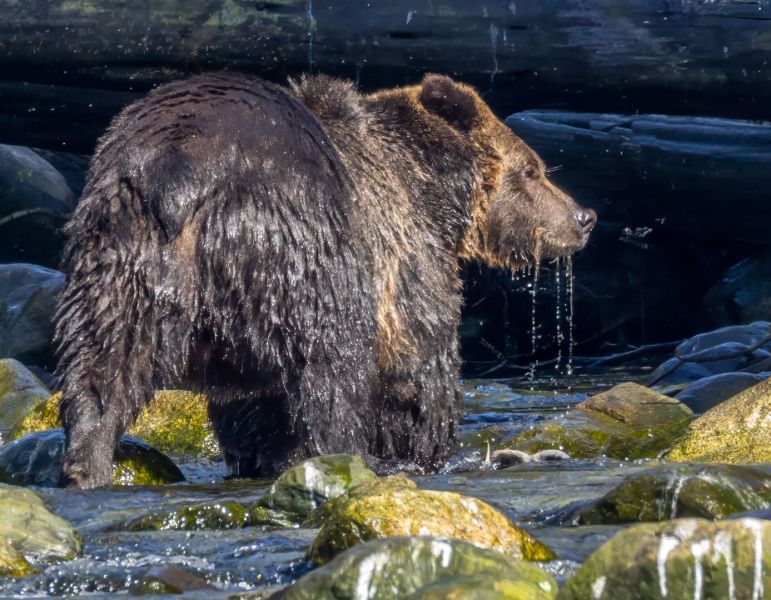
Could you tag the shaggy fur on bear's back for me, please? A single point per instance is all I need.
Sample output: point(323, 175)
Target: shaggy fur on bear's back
point(293, 252)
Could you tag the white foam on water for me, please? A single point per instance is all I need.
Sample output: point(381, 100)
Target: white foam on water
point(757, 540)
point(666, 545)
point(369, 566)
point(442, 551)
point(699, 550)
point(722, 547)
point(598, 587)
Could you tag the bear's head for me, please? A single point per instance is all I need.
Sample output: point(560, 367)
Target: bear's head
point(517, 216)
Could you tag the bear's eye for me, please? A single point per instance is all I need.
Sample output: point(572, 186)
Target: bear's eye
point(530, 172)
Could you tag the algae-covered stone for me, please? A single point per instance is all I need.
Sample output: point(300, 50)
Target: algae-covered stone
point(210, 515)
point(476, 587)
point(308, 485)
point(737, 430)
point(396, 567)
point(672, 491)
point(175, 422)
point(395, 507)
point(36, 459)
point(30, 534)
point(683, 558)
point(629, 421)
point(20, 390)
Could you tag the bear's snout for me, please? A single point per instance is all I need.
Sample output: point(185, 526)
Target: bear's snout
point(587, 219)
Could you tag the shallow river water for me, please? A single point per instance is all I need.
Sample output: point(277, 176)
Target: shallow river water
point(245, 559)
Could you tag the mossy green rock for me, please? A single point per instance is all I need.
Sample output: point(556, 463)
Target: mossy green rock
point(36, 459)
point(176, 422)
point(629, 421)
point(210, 515)
point(394, 568)
point(737, 430)
point(672, 491)
point(394, 506)
point(30, 534)
point(476, 587)
point(683, 558)
point(20, 390)
point(306, 486)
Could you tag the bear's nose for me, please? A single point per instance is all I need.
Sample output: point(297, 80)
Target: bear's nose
point(586, 218)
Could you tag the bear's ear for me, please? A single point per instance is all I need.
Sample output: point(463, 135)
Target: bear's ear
point(454, 103)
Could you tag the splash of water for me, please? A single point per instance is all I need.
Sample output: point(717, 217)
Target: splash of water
point(569, 287)
point(558, 314)
point(666, 545)
point(494, 49)
point(533, 285)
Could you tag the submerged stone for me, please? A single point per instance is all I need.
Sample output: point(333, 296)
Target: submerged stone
point(20, 390)
point(396, 567)
point(176, 422)
point(629, 421)
point(683, 558)
point(394, 506)
point(674, 491)
point(169, 579)
point(30, 534)
point(735, 431)
point(306, 486)
point(210, 515)
point(36, 459)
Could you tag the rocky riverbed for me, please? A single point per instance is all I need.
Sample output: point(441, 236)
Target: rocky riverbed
point(486, 527)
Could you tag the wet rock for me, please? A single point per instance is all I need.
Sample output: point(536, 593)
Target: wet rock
point(27, 303)
point(394, 506)
point(308, 485)
point(169, 579)
point(211, 515)
point(20, 390)
point(485, 588)
point(737, 430)
point(396, 567)
point(31, 535)
point(743, 293)
point(706, 393)
point(36, 459)
point(673, 491)
point(683, 558)
point(175, 422)
point(628, 421)
point(728, 349)
point(34, 202)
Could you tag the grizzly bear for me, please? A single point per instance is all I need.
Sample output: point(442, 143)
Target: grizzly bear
point(293, 252)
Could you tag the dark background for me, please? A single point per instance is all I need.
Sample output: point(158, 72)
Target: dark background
point(683, 240)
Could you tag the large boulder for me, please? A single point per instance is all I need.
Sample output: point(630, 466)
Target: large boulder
point(710, 391)
point(628, 421)
point(396, 567)
point(36, 459)
point(20, 390)
point(30, 535)
point(683, 558)
point(394, 506)
point(671, 491)
point(34, 202)
point(743, 293)
point(27, 304)
point(735, 431)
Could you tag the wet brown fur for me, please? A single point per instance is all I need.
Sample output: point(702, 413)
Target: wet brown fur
point(294, 254)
